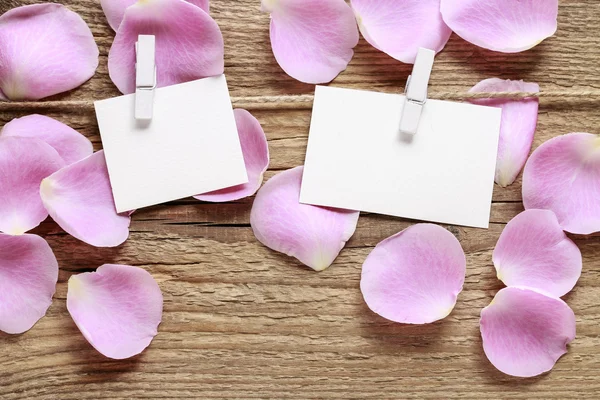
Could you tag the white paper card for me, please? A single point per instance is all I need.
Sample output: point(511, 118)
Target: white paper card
point(191, 145)
point(357, 158)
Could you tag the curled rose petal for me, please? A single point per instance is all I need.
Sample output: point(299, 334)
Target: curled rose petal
point(70, 144)
point(399, 28)
point(28, 276)
point(314, 235)
point(519, 121)
point(508, 26)
point(45, 49)
point(256, 157)
point(115, 9)
point(312, 40)
point(189, 44)
point(563, 175)
point(79, 198)
point(533, 251)
point(117, 309)
point(525, 332)
point(24, 163)
point(415, 276)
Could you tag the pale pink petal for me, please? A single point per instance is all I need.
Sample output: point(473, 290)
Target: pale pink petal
point(79, 198)
point(563, 175)
point(312, 40)
point(519, 121)
point(24, 163)
point(28, 276)
point(256, 157)
point(70, 144)
point(399, 28)
point(415, 276)
point(117, 309)
point(45, 49)
point(525, 332)
point(189, 44)
point(508, 26)
point(115, 9)
point(534, 251)
point(314, 235)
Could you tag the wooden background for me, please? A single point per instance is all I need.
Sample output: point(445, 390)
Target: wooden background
point(241, 321)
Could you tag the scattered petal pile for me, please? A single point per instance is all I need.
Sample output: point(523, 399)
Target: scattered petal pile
point(519, 121)
point(117, 308)
point(399, 28)
point(508, 26)
point(314, 235)
point(525, 332)
point(28, 276)
point(189, 44)
point(563, 175)
point(256, 157)
point(527, 326)
point(79, 198)
point(71, 145)
point(24, 163)
point(415, 276)
point(533, 251)
point(312, 40)
point(115, 9)
point(45, 49)
point(46, 167)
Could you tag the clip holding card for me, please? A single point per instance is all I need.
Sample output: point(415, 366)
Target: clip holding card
point(145, 77)
point(416, 92)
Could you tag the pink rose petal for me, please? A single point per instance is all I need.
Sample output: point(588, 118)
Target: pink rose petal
point(45, 49)
point(519, 121)
point(508, 26)
point(533, 251)
point(314, 235)
point(312, 40)
point(189, 44)
point(70, 144)
point(563, 175)
point(415, 276)
point(256, 157)
point(28, 276)
point(79, 198)
point(399, 28)
point(525, 332)
point(24, 163)
point(115, 9)
point(117, 309)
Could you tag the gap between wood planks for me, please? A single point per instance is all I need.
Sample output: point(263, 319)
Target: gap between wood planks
point(306, 101)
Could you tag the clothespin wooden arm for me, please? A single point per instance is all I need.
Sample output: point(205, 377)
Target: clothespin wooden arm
point(416, 92)
point(145, 76)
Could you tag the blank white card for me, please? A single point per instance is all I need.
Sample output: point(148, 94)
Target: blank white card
point(191, 145)
point(357, 158)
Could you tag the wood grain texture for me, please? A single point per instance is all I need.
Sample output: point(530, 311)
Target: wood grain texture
point(241, 321)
